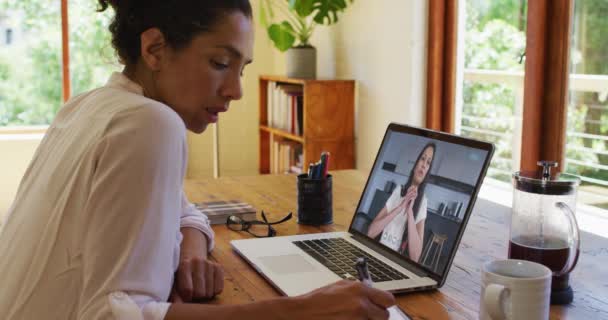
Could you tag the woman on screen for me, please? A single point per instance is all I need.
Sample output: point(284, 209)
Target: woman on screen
point(400, 224)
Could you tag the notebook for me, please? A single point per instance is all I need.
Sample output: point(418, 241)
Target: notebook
point(219, 211)
point(416, 173)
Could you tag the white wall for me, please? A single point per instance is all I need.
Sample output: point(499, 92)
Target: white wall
point(17, 152)
point(379, 43)
point(382, 45)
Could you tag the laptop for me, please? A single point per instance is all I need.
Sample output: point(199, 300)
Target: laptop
point(419, 175)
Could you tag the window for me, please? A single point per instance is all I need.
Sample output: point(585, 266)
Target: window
point(30, 69)
point(545, 99)
point(31, 78)
point(587, 128)
point(491, 103)
point(92, 57)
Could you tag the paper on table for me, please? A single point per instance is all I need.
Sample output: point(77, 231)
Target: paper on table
point(396, 314)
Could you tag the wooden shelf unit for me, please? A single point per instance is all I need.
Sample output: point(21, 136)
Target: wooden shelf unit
point(328, 122)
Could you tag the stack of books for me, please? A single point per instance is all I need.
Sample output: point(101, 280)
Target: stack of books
point(219, 211)
point(451, 209)
point(286, 156)
point(285, 106)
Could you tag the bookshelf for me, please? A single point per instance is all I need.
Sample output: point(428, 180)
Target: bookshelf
point(325, 122)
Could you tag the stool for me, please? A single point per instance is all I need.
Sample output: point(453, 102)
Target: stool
point(438, 240)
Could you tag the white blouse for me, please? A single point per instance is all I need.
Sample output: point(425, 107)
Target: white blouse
point(393, 232)
point(94, 231)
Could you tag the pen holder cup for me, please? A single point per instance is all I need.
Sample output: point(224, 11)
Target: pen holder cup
point(314, 200)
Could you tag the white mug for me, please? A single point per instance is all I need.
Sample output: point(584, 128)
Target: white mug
point(515, 289)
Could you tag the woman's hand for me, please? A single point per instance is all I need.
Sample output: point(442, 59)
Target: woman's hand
point(343, 300)
point(384, 217)
point(197, 278)
point(415, 230)
point(410, 205)
point(410, 197)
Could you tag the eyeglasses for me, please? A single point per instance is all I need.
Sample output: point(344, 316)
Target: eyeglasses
point(258, 229)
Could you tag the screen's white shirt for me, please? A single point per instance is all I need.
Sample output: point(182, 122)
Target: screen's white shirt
point(93, 232)
point(393, 232)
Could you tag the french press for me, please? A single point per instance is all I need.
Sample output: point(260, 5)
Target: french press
point(543, 225)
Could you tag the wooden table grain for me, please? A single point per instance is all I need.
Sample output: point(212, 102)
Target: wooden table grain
point(485, 238)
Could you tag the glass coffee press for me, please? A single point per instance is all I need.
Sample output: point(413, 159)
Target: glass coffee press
point(543, 225)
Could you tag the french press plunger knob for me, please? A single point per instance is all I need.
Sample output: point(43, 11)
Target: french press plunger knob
point(547, 165)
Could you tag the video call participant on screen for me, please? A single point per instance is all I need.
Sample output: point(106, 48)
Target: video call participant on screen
point(401, 220)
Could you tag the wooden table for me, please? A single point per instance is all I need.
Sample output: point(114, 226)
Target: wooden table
point(485, 238)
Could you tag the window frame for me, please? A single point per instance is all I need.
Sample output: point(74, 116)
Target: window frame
point(545, 79)
point(441, 65)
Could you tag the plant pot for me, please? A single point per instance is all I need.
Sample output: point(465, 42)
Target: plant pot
point(302, 62)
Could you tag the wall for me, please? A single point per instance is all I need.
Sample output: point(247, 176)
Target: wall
point(382, 45)
point(16, 155)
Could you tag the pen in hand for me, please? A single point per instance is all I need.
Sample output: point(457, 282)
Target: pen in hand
point(363, 273)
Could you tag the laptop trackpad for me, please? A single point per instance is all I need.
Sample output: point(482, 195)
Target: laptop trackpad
point(285, 264)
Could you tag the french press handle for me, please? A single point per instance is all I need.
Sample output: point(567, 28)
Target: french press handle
point(575, 247)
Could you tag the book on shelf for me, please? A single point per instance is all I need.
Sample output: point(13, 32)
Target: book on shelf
point(286, 156)
point(459, 210)
point(299, 115)
point(451, 209)
point(284, 107)
point(219, 211)
point(441, 209)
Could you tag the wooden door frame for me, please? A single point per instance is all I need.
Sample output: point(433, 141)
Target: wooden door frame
point(546, 82)
point(441, 65)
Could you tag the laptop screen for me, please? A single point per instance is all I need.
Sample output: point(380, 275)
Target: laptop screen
point(418, 194)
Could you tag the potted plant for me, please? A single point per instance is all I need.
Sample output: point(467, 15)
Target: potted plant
point(293, 33)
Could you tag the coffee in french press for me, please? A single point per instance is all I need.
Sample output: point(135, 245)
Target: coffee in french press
point(543, 225)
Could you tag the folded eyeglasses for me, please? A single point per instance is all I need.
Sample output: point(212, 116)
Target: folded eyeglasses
point(257, 228)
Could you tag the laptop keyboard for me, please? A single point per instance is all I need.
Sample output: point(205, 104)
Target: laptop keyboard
point(340, 256)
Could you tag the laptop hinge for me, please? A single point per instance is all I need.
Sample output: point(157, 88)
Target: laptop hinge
point(393, 256)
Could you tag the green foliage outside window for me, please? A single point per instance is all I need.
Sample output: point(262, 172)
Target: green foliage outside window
point(495, 40)
point(30, 71)
point(492, 43)
point(588, 112)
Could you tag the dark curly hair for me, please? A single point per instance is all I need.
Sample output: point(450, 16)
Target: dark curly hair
point(179, 21)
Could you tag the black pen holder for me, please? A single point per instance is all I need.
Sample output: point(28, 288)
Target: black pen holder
point(314, 200)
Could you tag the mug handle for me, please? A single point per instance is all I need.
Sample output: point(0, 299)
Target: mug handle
point(574, 231)
point(492, 299)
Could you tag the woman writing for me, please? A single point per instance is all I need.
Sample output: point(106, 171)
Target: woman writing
point(100, 227)
point(401, 220)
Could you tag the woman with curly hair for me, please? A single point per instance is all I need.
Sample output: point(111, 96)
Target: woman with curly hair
point(100, 227)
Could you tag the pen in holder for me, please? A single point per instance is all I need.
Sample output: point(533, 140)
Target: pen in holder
point(314, 200)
